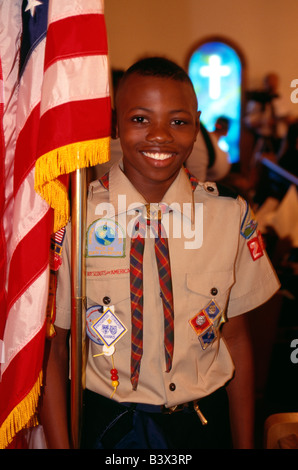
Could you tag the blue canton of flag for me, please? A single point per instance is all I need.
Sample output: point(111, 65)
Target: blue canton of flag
point(35, 25)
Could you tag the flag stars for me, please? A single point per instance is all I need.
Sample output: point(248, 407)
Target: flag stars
point(31, 5)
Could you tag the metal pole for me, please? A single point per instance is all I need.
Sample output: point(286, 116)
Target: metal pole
point(78, 221)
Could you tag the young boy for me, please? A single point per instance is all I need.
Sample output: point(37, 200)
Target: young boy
point(167, 338)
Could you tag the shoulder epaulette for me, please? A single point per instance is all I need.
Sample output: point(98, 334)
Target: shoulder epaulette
point(226, 191)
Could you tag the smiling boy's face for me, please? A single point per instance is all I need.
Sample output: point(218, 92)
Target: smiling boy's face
point(157, 124)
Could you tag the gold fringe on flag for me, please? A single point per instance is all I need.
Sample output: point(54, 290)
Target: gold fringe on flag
point(65, 160)
point(22, 416)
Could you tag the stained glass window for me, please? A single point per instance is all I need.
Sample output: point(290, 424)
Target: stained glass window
point(216, 70)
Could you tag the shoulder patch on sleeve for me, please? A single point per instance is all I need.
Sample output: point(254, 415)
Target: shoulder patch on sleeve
point(248, 221)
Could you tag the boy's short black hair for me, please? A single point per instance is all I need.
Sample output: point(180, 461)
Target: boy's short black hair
point(159, 67)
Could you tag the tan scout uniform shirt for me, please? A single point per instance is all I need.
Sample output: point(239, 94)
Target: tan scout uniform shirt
point(216, 273)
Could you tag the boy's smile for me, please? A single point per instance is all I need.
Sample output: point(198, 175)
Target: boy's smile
point(157, 124)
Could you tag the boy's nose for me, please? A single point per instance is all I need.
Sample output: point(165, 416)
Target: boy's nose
point(159, 133)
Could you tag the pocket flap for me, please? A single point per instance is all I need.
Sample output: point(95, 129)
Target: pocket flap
point(110, 291)
point(210, 283)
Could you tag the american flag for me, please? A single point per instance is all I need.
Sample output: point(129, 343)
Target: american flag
point(56, 118)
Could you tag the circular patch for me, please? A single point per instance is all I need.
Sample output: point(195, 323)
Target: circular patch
point(93, 313)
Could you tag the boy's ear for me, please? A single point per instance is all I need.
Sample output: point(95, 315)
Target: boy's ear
point(198, 122)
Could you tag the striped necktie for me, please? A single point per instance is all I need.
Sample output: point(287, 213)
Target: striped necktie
point(136, 285)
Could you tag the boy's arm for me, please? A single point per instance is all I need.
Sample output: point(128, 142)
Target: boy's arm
point(241, 388)
point(53, 406)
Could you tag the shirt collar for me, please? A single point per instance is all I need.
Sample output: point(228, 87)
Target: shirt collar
point(123, 195)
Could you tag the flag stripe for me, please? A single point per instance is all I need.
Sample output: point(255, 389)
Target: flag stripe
point(61, 46)
point(27, 101)
point(30, 368)
point(76, 81)
point(2, 203)
point(80, 120)
point(25, 266)
point(28, 210)
point(25, 155)
point(22, 326)
point(17, 383)
point(59, 10)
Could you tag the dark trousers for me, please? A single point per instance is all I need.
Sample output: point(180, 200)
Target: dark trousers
point(111, 425)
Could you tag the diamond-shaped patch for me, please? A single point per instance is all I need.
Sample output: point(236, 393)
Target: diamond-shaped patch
point(109, 328)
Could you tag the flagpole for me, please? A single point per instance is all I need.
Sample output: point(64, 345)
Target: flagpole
point(78, 218)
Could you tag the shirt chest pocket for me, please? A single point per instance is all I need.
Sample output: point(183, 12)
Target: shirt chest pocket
point(208, 295)
point(108, 290)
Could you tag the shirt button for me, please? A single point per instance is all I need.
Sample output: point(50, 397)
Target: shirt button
point(172, 387)
point(214, 291)
point(106, 300)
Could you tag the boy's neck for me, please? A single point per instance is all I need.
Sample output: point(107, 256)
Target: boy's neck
point(154, 191)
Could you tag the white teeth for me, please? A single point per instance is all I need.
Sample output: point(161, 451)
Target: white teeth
point(158, 156)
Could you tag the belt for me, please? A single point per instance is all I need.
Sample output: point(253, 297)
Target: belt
point(191, 405)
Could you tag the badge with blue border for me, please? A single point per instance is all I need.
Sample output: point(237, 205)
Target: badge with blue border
point(105, 239)
point(212, 309)
point(207, 338)
point(108, 327)
point(249, 223)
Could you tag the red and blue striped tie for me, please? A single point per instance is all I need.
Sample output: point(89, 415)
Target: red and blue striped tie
point(136, 284)
point(136, 296)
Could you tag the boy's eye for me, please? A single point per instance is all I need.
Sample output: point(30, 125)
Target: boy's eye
point(178, 122)
point(139, 119)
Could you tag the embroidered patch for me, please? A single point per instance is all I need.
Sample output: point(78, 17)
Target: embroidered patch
point(255, 246)
point(212, 310)
point(105, 238)
point(92, 315)
point(249, 224)
point(108, 327)
point(207, 338)
point(200, 322)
